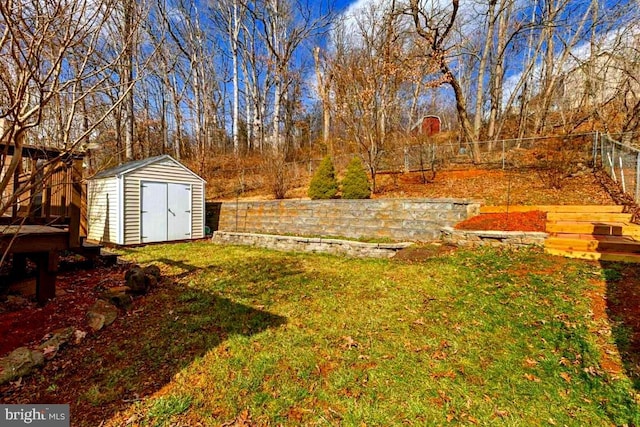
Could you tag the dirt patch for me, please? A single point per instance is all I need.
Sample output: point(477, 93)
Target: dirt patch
point(423, 252)
point(621, 291)
point(514, 221)
point(609, 359)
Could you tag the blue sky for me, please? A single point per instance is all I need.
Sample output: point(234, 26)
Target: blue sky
point(343, 4)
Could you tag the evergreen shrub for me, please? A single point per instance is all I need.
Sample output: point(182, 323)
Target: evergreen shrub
point(324, 184)
point(355, 184)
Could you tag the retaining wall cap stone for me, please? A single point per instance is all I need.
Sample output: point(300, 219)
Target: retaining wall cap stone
point(456, 201)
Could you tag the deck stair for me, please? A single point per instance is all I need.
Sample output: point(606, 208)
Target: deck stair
point(94, 251)
point(602, 232)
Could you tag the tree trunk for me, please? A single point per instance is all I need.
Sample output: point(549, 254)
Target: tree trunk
point(463, 116)
point(322, 82)
point(128, 80)
point(477, 119)
point(497, 74)
point(234, 34)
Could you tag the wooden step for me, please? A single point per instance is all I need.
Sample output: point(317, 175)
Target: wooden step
point(553, 208)
point(108, 258)
point(595, 256)
point(596, 228)
point(589, 243)
point(589, 217)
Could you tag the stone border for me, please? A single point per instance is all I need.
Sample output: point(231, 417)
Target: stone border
point(311, 244)
point(513, 239)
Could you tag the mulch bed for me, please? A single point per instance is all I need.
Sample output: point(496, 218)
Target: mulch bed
point(24, 322)
point(514, 221)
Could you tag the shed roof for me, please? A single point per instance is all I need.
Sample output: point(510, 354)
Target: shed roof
point(129, 167)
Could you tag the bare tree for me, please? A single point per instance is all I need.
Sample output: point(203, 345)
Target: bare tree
point(229, 14)
point(490, 25)
point(496, 86)
point(373, 66)
point(323, 86)
point(48, 50)
point(434, 24)
point(284, 26)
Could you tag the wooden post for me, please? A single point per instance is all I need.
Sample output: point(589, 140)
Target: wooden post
point(33, 177)
point(75, 207)
point(84, 213)
point(47, 269)
point(46, 194)
point(16, 185)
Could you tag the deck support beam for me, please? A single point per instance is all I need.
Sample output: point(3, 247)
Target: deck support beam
point(47, 263)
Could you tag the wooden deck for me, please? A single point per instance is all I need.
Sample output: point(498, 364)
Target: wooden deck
point(46, 188)
point(42, 245)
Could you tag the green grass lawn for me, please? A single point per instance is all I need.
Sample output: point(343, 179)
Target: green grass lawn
point(475, 337)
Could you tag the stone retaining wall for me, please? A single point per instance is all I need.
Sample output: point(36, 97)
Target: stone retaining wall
point(311, 244)
point(515, 239)
point(395, 219)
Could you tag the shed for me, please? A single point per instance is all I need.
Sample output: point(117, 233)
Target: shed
point(428, 125)
point(156, 199)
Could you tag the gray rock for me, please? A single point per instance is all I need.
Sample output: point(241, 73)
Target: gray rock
point(153, 270)
point(118, 296)
point(136, 280)
point(59, 338)
point(151, 281)
point(101, 314)
point(19, 363)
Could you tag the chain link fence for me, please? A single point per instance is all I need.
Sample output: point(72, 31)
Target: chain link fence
point(621, 162)
point(552, 158)
point(507, 153)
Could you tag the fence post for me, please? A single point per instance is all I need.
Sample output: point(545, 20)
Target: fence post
point(595, 149)
point(612, 174)
point(613, 160)
point(624, 185)
point(406, 159)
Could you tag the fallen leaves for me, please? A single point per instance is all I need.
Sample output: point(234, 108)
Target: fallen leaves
point(501, 413)
point(349, 343)
point(496, 187)
point(445, 374)
point(532, 377)
point(242, 420)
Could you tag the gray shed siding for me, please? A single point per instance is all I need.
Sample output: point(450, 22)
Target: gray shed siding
point(164, 171)
point(103, 219)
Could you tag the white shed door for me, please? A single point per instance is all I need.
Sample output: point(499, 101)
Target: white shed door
point(153, 212)
point(179, 211)
point(165, 212)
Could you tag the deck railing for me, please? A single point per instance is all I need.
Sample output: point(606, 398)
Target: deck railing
point(46, 189)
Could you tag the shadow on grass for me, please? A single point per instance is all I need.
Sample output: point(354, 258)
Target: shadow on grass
point(165, 331)
point(623, 309)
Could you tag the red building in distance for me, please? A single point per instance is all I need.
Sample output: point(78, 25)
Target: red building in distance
point(428, 126)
